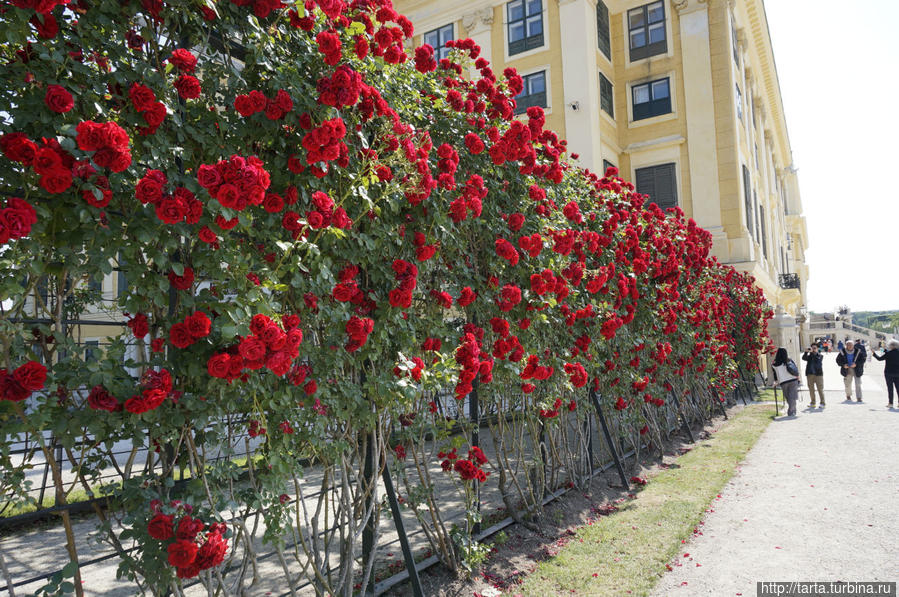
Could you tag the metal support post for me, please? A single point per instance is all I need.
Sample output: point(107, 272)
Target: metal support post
point(401, 531)
point(608, 436)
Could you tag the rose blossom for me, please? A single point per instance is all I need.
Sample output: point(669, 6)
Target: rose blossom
point(58, 99)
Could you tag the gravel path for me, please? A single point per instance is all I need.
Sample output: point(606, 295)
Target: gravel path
point(815, 500)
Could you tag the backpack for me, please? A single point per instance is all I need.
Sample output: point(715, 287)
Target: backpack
point(792, 369)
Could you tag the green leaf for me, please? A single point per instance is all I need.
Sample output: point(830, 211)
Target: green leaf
point(69, 569)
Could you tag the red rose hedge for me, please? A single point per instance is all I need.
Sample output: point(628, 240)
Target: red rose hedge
point(318, 232)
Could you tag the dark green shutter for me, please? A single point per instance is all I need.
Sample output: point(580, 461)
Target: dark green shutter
point(747, 199)
point(602, 29)
point(606, 97)
point(660, 183)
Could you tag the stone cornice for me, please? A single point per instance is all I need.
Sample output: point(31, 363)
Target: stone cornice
point(655, 143)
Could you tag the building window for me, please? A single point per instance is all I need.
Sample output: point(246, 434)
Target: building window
point(739, 99)
point(525, 22)
point(602, 29)
point(764, 233)
point(606, 164)
point(606, 98)
point(660, 183)
point(533, 92)
point(758, 219)
point(94, 285)
point(646, 30)
point(437, 39)
point(733, 40)
point(651, 99)
point(747, 199)
point(122, 280)
point(91, 350)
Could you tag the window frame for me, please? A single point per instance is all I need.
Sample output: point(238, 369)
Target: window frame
point(738, 98)
point(607, 101)
point(91, 350)
point(606, 164)
point(747, 200)
point(655, 106)
point(655, 170)
point(647, 49)
point(528, 42)
point(603, 26)
point(521, 108)
point(440, 51)
point(734, 40)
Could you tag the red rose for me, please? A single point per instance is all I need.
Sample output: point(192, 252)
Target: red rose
point(229, 196)
point(207, 236)
point(273, 203)
point(46, 160)
point(56, 181)
point(252, 348)
point(100, 399)
point(155, 114)
point(272, 335)
point(279, 362)
point(329, 45)
point(46, 28)
point(212, 552)
point(10, 389)
point(139, 325)
point(199, 325)
point(89, 136)
point(188, 87)
point(157, 345)
point(142, 97)
point(182, 553)
point(244, 105)
point(115, 160)
point(160, 527)
point(171, 210)
point(183, 60)
point(31, 376)
point(180, 336)
point(182, 282)
point(18, 148)
point(149, 189)
point(516, 221)
point(58, 99)
point(219, 365)
point(208, 176)
point(189, 528)
point(16, 219)
point(149, 400)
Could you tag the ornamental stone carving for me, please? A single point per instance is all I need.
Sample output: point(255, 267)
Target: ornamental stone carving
point(478, 21)
point(688, 6)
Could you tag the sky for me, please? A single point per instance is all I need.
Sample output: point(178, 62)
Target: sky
point(836, 62)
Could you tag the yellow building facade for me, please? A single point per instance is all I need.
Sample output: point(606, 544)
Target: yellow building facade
point(681, 95)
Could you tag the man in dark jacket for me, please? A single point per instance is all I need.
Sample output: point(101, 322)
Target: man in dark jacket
point(852, 364)
point(891, 369)
point(814, 373)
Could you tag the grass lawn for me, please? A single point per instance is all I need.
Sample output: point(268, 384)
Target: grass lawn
point(626, 552)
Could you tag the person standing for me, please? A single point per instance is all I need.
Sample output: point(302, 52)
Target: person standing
point(852, 362)
point(786, 373)
point(840, 345)
point(814, 373)
point(891, 369)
